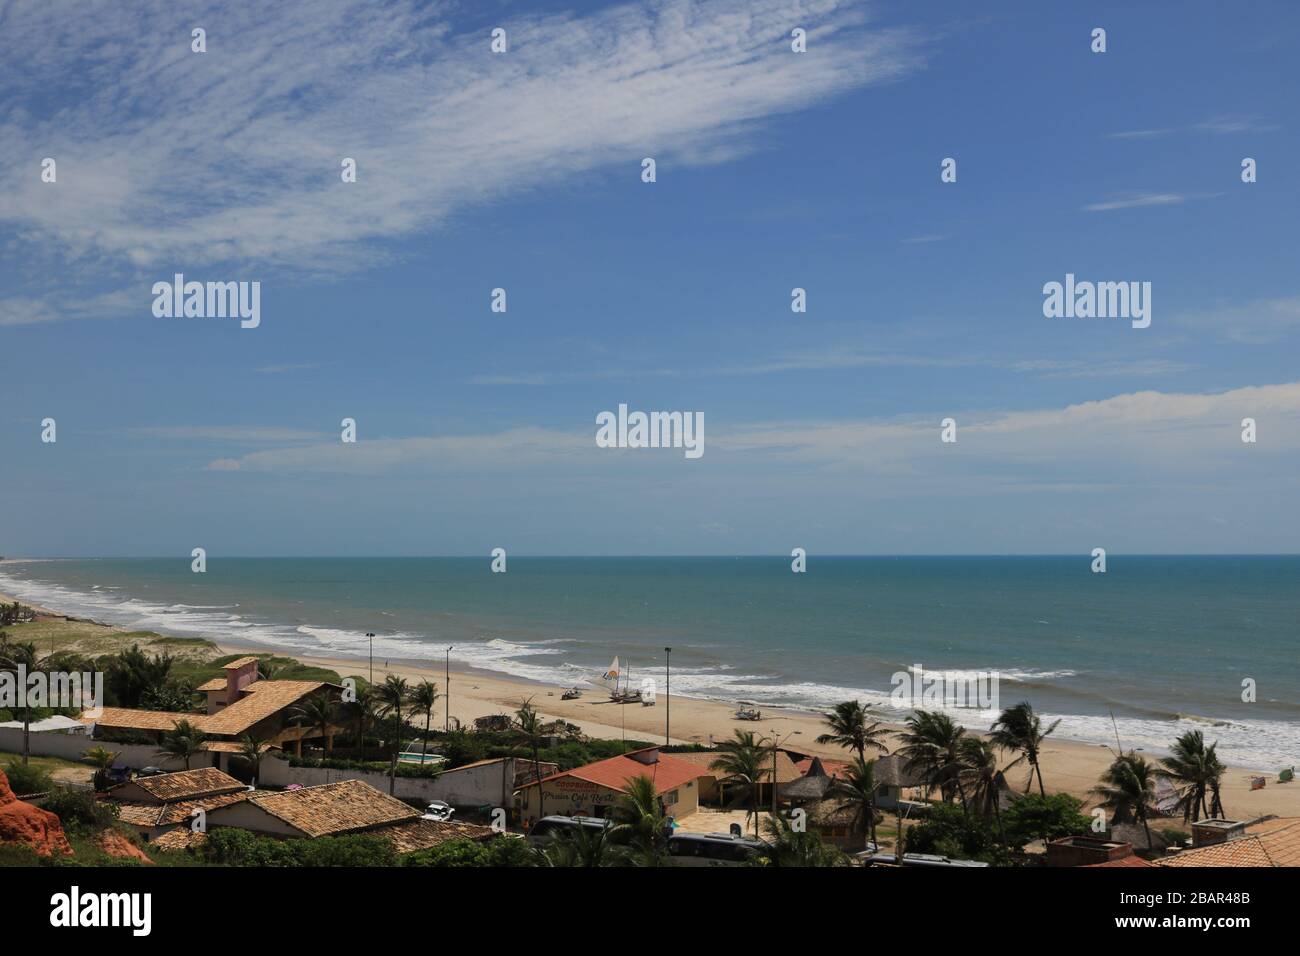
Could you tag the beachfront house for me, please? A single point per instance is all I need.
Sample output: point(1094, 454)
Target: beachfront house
point(239, 703)
point(348, 807)
point(594, 789)
point(157, 805)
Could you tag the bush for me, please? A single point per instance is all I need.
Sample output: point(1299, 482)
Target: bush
point(235, 847)
point(27, 780)
point(78, 808)
point(496, 852)
point(949, 831)
point(1034, 817)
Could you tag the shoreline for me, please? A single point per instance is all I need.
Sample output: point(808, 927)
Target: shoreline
point(1069, 766)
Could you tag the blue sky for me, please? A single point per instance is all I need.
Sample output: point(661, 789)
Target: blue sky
point(775, 170)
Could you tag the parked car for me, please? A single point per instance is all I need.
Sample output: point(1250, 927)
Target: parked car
point(548, 826)
point(438, 810)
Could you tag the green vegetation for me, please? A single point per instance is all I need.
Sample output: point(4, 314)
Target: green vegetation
point(502, 851)
point(950, 831)
point(79, 810)
point(28, 778)
point(1036, 817)
point(232, 847)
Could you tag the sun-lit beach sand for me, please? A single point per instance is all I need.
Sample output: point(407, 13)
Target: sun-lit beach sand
point(1068, 766)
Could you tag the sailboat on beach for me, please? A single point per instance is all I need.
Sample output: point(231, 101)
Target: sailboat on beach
point(617, 684)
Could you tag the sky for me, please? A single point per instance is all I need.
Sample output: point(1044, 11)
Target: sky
point(522, 170)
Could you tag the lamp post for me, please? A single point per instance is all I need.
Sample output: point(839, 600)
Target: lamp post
point(668, 693)
point(776, 742)
point(446, 721)
point(371, 635)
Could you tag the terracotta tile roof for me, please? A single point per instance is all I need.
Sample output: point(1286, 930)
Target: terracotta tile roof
point(217, 683)
point(230, 746)
point(171, 814)
point(1248, 851)
point(185, 785)
point(180, 812)
point(614, 773)
point(140, 814)
point(1280, 839)
point(181, 838)
point(130, 719)
point(417, 834)
point(235, 665)
point(332, 808)
point(1133, 860)
point(272, 696)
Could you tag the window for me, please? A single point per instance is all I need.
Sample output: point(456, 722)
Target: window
point(670, 797)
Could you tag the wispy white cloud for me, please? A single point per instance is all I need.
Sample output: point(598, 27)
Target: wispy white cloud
point(1137, 201)
point(1221, 125)
point(1257, 322)
point(168, 157)
point(1181, 438)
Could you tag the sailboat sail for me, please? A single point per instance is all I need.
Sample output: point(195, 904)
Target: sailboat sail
point(610, 676)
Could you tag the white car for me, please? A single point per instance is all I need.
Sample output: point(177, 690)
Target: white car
point(438, 810)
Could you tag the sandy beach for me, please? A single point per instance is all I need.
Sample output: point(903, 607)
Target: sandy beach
point(1068, 766)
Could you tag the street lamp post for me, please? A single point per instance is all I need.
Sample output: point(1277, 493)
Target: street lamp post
point(371, 635)
point(668, 694)
point(446, 721)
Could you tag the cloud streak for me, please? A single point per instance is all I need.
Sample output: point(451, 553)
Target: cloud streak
point(172, 158)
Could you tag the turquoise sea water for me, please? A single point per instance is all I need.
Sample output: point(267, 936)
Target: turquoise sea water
point(1162, 642)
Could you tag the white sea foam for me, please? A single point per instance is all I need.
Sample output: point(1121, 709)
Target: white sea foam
point(1263, 744)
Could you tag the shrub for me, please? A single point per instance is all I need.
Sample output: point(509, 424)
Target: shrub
point(948, 831)
point(497, 852)
point(235, 847)
point(27, 780)
point(1034, 817)
point(78, 808)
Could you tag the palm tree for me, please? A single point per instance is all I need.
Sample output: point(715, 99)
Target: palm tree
point(742, 759)
point(182, 742)
point(1128, 787)
point(267, 669)
point(423, 699)
point(579, 846)
point(858, 790)
point(932, 748)
point(392, 694)
point(851, 727)
point(13, 657)
point(101, 759)
point(253, 749)
point(980, 767)
point(316, 713)
point(362, 710)
point(1196, 773)
point(1019, 730)
point(786, 846)
point(530, 725)
point(640, 821)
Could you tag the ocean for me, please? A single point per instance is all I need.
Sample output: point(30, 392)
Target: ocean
point(1162, 643)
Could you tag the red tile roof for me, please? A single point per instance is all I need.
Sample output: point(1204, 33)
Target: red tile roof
point(1131, 860)
point(614, 773)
